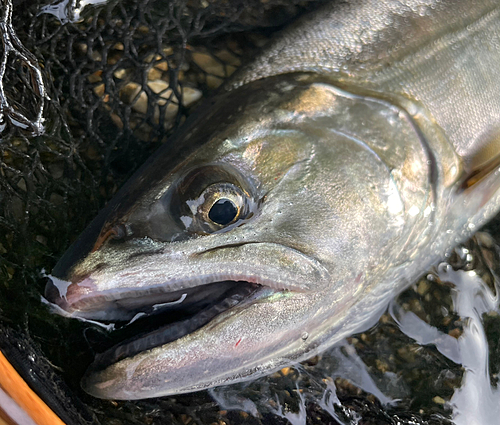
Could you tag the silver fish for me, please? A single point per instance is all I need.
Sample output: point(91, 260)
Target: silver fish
point(327, 176)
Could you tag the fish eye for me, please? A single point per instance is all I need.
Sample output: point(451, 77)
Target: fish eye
point(210, 199)
point(223, 212)
point(218, 206)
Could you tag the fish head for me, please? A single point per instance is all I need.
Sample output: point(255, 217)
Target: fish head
point(255, 233)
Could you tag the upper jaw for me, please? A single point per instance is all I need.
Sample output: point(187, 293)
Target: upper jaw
point(118, 290)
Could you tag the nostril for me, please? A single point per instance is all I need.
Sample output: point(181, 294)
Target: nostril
point(117, 232)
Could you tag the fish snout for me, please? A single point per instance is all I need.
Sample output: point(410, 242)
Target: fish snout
point(67, 294)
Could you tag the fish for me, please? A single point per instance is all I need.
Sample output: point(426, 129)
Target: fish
point(329, 173)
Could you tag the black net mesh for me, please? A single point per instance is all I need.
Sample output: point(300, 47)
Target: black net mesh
point(86, 95)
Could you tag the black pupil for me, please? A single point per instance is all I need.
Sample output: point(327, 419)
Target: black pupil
point(223, 212)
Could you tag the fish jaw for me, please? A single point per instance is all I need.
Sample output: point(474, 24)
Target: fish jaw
point(269, 331)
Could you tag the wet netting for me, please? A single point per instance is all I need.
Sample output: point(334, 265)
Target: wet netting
point(88, 91)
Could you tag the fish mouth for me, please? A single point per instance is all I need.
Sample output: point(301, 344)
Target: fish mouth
point(190, 295)
point(83, 300)
point(145, 319)
point(157, 329)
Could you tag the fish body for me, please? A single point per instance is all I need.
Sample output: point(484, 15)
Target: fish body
point(319, 182)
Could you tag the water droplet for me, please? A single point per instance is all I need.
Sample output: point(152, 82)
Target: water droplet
point(305, 335)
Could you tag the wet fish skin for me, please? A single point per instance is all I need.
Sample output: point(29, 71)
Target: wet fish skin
point(352, 148)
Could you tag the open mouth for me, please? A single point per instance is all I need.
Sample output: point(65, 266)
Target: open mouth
point(148, 321)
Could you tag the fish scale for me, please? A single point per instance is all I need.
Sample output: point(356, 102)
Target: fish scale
point(454, 75)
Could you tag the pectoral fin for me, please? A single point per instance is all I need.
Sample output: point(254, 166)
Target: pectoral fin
point(482, 163)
